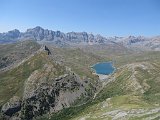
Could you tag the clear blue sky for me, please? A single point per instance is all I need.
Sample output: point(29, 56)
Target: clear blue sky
point(106, 17)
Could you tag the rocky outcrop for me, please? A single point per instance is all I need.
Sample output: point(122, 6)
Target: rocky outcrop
point(47, 90)
point(45, 97)
point(11, 107)
point(47, 49)
point(49, 98)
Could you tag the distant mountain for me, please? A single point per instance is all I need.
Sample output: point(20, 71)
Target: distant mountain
point(139, 42)
point(78, 38)
point(10, 36)
point(45, 35)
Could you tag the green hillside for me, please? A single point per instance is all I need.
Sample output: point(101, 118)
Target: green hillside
point(16, 52)
point(12, 81)
point(133, 93)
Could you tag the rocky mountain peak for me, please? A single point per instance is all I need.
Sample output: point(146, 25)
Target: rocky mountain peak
point(40, 34)
point(13, 33)
point(36, 29)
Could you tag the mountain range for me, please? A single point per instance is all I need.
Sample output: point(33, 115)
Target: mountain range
point(78, 38)
point(45, 35)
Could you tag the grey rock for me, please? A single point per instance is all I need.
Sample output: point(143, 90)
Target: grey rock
point(11, 107)
point(51, 97)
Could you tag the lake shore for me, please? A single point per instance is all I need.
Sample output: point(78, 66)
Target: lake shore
point(101, 76)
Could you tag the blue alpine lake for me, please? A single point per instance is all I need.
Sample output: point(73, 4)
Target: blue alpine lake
point(104, 68)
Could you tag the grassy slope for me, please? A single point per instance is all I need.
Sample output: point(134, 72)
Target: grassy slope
point(16, 52)
point(121, 94)
point(78, 60)
point(125, 98)
point(12, 81)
